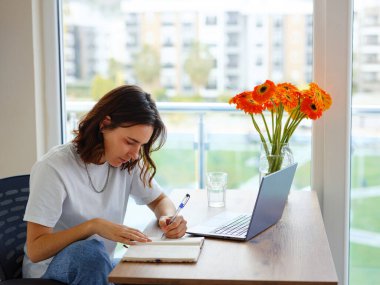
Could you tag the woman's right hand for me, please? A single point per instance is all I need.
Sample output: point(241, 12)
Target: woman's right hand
point(118, 233)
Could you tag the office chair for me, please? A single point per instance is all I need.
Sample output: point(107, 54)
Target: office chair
point(14, 193)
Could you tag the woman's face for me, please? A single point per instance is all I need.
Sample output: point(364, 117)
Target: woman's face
point(123, 144)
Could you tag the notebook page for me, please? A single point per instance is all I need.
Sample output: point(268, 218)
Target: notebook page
point(180, 241)
point(181, 250)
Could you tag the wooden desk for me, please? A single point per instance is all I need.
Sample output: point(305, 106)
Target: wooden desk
point(294, 251)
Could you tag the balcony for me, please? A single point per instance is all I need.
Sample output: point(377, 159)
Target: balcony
point(205, 136)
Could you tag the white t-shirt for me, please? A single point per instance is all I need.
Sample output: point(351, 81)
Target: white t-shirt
point(61, 196)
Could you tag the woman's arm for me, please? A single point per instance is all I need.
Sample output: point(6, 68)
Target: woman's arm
point(164, 208)
point(42, 243)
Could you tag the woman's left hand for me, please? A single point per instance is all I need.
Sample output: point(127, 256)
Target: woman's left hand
point(176, 229)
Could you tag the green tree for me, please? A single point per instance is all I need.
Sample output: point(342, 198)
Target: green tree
point(115, 71)
point(100, 85)
point(198, 65)
point(146, 66)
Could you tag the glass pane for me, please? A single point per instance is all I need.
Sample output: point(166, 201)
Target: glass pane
point(196, 51)
point(176, 161)
point(365, 171)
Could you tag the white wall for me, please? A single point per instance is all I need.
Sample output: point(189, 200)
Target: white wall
point(29, 89)
point(18, 136)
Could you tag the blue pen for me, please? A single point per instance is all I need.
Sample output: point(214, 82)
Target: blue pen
point(180, 207)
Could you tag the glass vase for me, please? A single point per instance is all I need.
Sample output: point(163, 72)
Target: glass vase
point(274, 157)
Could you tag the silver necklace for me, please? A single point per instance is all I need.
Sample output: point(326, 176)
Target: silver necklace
point(92, 185)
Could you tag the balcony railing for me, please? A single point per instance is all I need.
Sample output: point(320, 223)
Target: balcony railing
point(365, 121)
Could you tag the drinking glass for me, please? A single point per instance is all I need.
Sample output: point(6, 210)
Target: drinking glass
point(216, 188)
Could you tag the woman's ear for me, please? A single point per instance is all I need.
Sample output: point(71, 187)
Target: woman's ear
point(106, 121)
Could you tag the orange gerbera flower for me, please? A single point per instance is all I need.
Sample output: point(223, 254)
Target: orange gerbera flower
point(306, 94)
point(310, 109)
point(251, 107)
point(236, 98)
point(263, 92)
point(321, 98)
point(289, 95)
point(327, 101)
point(271, 105)
point(245, 102)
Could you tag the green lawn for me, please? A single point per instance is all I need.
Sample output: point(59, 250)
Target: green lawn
point(240, 165)
point(365, 171)
point(364, 265)
point(176, 168)
point(302, 178)
point(365, 214)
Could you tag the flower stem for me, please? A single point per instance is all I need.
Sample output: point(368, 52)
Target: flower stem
point(277, 135)
point(260, 134)
point(292, 127)
point(288, 121)
point(272, 121)
point(266, 127)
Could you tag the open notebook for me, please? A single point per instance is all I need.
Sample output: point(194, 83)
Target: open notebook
point(186, 249)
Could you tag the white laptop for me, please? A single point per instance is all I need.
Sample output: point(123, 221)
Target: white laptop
point(268, 209)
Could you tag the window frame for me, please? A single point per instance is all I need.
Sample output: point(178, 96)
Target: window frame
point(331, 135)
point(53, 80)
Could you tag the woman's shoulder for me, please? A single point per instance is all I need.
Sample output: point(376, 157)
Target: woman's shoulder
point(59, 154)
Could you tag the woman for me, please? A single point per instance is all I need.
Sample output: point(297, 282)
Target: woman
point(79, 191)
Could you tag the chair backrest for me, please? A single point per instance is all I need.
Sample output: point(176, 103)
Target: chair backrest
point(14, 193)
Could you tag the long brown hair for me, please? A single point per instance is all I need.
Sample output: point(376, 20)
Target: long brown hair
point(127, 105)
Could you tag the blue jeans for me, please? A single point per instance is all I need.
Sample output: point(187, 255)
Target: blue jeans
point(82, 262)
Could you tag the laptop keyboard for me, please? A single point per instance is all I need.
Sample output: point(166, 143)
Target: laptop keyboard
point(236, 227)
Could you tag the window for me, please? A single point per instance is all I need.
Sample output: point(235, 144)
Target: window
point(371, 19)
point(370, 58)
point(232, 39)
point(369, 77)
point(232, 18)
point(234, 50)
point(371, 40)
point(259, 23)
point(259, 62)
point(211, 20)
point(232, 60)
point(277, 23)
point(365, 153)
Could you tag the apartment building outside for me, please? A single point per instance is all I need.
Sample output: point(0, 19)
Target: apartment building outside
point(244, 46)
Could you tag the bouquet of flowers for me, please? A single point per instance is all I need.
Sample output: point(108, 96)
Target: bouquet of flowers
point(278, 99)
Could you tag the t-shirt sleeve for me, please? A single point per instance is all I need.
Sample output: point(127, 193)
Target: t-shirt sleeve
point(143, 194)
point(47, 194)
